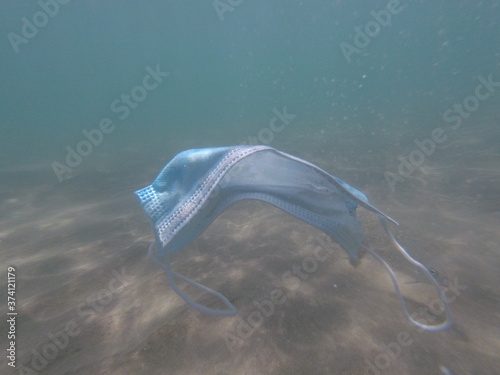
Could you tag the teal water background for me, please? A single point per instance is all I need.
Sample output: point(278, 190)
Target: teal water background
point(227, 75)
point(408, 117)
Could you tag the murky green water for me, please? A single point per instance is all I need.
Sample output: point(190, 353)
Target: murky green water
point(398, 98)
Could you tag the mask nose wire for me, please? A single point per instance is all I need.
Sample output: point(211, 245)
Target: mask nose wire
point(165, 265)
point(438, 327)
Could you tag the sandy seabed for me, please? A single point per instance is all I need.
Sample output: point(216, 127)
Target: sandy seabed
point(89, 300)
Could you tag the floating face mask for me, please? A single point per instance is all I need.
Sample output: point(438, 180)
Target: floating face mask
point(198, 185)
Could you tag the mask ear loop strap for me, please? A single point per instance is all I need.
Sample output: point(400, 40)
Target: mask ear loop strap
point(170, 275)
point(438, 327)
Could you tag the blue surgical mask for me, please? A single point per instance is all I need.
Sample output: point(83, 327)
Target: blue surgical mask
point(197, 185)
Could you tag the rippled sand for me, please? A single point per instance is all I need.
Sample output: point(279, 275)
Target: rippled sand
point(90, 302)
